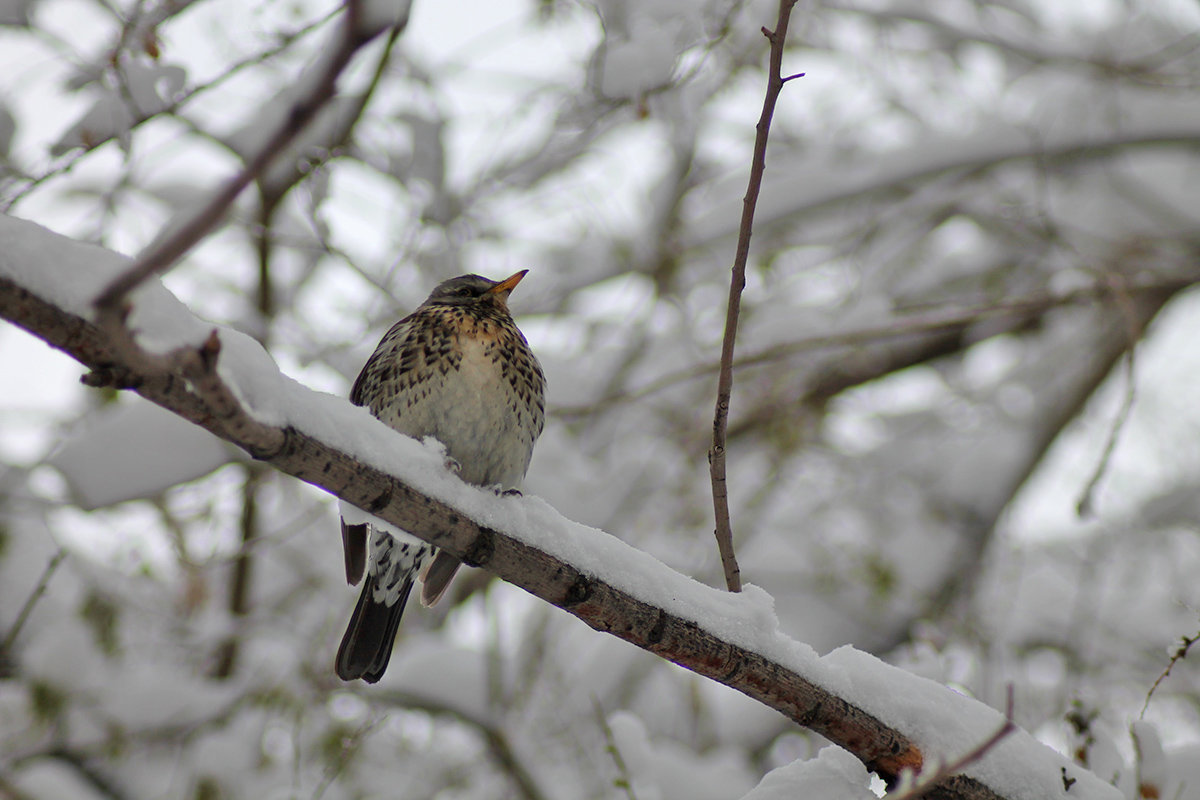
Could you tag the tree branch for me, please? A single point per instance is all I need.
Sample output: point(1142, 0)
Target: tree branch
point(321, 86)
point(30, 602)
point(499, 744)
point(925, 784)
point(737, 282)
point(792, 681)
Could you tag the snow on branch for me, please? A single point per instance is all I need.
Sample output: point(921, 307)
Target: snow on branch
point(224, 382)
point(361, 23)
point(800, 185)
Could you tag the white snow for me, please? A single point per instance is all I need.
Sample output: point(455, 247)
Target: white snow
point(941, 722)
point(663, 770)
point(147, 88)
point(639, 64)
point(443, 675)
point(133, 450)
point(833, 775)
point(947, 725)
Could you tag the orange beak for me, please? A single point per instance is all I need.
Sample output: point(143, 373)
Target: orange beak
point(508, 284)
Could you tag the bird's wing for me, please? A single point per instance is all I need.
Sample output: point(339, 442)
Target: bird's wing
point(389, 353)
point(393, 350)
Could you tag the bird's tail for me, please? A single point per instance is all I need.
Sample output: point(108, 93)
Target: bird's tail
point(367, 645)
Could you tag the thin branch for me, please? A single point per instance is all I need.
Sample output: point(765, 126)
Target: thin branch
point(240, 580)
point(90, 773)
point(1085, 506)
point(1021, 309)
point(624, 778)
point(31, 601)
point(203, 398)
point(350, 742)
point(924, 784)
point(1180, 653)
point(68, 160)
point(187, 383)
point(161, 255)
point(737, 282)
point(498, 743)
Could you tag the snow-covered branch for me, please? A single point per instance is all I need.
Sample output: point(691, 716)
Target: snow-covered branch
point(316, 88)
point(223, 381)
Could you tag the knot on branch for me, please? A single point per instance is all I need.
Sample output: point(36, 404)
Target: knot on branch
point(481, 550)
point(655, 634)
point(111, 376)
point(381, 500)
point(210, 351)
point(578, 592)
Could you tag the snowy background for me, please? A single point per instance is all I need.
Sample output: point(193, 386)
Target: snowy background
point(907, 488)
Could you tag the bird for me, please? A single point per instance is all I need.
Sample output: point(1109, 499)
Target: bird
point(460, 370)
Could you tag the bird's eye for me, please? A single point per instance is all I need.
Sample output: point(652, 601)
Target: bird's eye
point(464, 291)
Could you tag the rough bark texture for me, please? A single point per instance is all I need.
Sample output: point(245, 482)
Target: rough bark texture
point(186, 382)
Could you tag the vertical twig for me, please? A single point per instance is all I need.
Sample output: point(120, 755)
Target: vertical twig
point(624, 778)
point(241, 579)
point(1085, 506)
point(716, 456)
point(31, 601)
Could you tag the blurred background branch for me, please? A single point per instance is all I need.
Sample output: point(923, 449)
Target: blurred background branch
point(927, 336)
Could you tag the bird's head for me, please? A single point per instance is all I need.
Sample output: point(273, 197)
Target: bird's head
point(468, 289)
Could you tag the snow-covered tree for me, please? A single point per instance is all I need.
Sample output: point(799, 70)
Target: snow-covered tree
point(961, 438)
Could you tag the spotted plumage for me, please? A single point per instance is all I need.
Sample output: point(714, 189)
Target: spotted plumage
point(459, 370)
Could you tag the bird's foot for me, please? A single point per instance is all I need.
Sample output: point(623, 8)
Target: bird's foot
point(452, 465)
point(502, 492)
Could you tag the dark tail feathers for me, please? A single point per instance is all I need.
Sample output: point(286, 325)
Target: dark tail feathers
point(367, 645)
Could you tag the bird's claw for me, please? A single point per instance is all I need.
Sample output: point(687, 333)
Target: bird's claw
point(452, 465)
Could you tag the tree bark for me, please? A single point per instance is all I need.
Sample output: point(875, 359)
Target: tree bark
point(186, 382)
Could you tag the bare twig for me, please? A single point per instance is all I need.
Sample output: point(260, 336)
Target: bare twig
point(1085, 506)
point(500, 747)
point(758, 164)
point(160, 256)
point(650, 622)
point(67, 162)
point(31, 601)
point(240, 580)
point(204, 398)
point(349, 743)
point(91, 773)
point(924, 784)
point(624, 779)
point(1180, 653)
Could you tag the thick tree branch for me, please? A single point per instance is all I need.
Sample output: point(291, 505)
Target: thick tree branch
point(188, 383)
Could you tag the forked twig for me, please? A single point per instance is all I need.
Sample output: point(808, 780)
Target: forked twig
point(716, 455)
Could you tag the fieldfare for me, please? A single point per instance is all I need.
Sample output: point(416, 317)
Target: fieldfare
point(457, 369)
